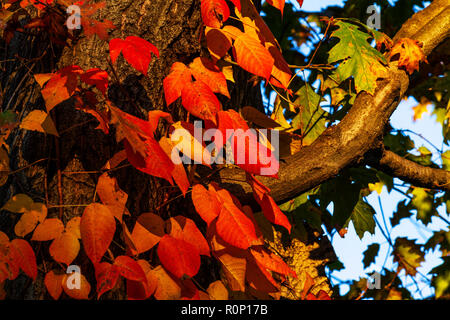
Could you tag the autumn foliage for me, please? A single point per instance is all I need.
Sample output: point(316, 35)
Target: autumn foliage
point(225, 230)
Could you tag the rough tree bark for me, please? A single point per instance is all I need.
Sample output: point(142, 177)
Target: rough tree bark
point(64, 171)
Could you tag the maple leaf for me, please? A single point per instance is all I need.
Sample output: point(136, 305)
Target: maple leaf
point(137, 51)
point(410, 54)
point(214, 12)
point(355, 54)
point(408, 255)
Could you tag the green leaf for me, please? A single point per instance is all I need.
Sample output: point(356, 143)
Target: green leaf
point(446, 160)
point(356, 57)
point(408, 255)
point(311, 118)
point(441, 281)
point(403, 211)
point(423, 202)
point(370, 254)
point(399, 143)
point(362, 218)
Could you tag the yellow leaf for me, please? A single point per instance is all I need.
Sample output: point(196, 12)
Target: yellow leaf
point(38, 120)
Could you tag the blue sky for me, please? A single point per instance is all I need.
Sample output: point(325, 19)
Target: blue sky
point(350, 249)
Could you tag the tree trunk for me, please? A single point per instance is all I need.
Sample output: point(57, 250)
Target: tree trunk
point(64, 170)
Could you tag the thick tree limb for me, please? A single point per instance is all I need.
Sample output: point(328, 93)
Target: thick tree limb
point(361, 129)
point(411, 172)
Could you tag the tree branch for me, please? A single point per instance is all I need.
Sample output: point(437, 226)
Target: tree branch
point(411, 172)
point(360, 131)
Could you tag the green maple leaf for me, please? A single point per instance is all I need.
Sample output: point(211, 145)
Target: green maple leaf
point(356, 57)
point(370, 254)
point(311, 119)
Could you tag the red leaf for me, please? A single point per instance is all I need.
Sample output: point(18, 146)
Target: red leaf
point(178, 257)
point(260, 279)
point(218, 42)
point(200, 100)
point(252, 56)
point(96, 77)
point(270, 209)
point(173, 84)
point(271, 261)
point(140, 291)
point(279, 4)
point(237, 3)
point(206, 203)
point(137, 51)
point(106, 275)
point(130, 269)
point(234, 227)
point(91, 27)
point(214, 12)
point(185, 229)
point(23, 256)
point(97, 227)
point(206, 71)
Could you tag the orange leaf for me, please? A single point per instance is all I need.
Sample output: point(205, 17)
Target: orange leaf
point(137, 51)
point(111, 195)
point(214, 12)
point(206, 71)
point(206, 203)
point(271, 261)
point(97, 228)
point(81, 293)
point(173, 84)
point(185, 229)
point(260, 279)
point(410, 54)
point(65, 248)
point(48, 230)
point(73, 226)
point(178, 257)
point(252, 56)
point(200, 100)
point(61, 86)
point(147, 232)
point(279, 4)
point(168, 288)
point(53, 283)
point(217, 291)
point(236, 228)
point(179, 172)
point(23, 256)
